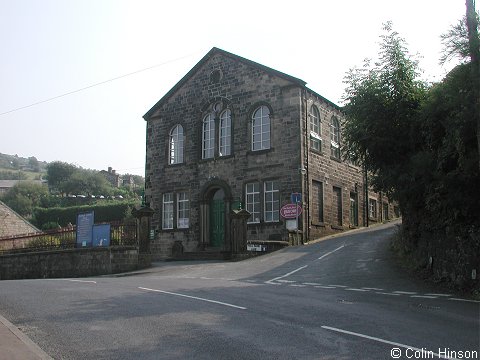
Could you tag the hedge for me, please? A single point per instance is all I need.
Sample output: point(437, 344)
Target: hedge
point(65, 215)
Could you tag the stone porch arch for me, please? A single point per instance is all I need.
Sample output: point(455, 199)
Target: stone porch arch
point(212, 194)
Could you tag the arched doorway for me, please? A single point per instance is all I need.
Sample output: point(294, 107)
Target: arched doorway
point(217, 219)
point(214, 215)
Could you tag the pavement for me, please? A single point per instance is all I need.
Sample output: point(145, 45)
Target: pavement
point(15, 345)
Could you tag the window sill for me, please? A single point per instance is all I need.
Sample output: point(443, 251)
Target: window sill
point(175, 165)
point(258, 152)
point(173, 230)
point(335, 159)
point(216, 158)
point(206, 160)
point(264, 223)
point(337, 227)
point(318, 152)
point(319, 224)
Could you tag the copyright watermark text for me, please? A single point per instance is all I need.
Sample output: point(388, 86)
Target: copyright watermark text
point(442, 353)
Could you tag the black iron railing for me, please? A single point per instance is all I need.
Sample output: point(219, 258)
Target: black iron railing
point(121, 234)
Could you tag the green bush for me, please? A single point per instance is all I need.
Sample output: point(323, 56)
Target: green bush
point(44, 241)
point(50, 225)
point(63, 216)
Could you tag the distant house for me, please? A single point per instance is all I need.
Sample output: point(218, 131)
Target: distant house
point(128, 182)
point(13, 224)
point(6, 185)
point(112, 177)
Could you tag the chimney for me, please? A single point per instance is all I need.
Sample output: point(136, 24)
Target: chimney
point(109, 169)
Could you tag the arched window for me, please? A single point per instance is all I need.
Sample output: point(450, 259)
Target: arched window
point(208, 137)
point(315, 129)
point(335, 137)
point(261, 129)
point(225, 135)
point(175, 145)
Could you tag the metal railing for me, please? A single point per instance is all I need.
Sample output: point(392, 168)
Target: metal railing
point(121, 234)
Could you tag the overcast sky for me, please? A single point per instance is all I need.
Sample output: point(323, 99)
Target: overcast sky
point(54, 47)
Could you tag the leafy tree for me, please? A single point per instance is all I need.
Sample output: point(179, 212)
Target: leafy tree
point(463, 41)
point(25, 196)
point(138, 180)
point(86, 182)
point(420, 145)
point(474, 46)
point(15, 162)
point(33, 163)
point(456, 43)
point(472, 31)
point(58, 173)
point(382, 101)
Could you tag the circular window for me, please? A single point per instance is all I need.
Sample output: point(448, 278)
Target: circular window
point(215, 76)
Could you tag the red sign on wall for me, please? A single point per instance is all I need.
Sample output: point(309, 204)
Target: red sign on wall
point(290, 211)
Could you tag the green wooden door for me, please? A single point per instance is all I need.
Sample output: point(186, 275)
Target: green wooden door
point(217, 222)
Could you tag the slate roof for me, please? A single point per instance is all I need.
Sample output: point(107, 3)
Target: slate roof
point(12, 224)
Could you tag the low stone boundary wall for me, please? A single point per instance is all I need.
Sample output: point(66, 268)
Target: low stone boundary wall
point(71, 263)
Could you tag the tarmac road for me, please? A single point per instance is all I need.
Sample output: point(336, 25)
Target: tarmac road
point(341, 298)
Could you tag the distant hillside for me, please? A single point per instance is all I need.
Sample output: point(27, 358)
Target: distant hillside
point(15, 162)
point(14, 167)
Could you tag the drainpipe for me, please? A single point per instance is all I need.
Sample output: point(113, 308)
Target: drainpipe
point(365, 219)
point(304, 170)
point(306, 195)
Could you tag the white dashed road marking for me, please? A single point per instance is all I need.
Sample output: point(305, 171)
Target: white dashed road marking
point(354, 289)
point(286, 275)
point(194, 298)
point(466, 300)
point(331, 252)
point(382, 341)
point(385, 293)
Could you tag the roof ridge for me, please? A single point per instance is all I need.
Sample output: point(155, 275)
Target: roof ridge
point(204, 59)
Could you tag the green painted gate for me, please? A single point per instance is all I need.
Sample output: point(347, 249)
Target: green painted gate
point(217, 222)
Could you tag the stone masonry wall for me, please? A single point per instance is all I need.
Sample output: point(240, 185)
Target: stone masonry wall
point(242, 89)
point(327, 172)
point(68, 263)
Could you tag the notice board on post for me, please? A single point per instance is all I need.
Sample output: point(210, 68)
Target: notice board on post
point(85, 223)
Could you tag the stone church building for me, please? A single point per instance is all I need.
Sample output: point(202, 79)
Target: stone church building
point(234, 133)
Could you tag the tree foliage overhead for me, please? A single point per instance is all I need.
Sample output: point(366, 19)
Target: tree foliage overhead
point(456, 43)
point(419, 143)
point(382, 101)
point(25, 196)
point(66, 178)
point(449, 136)
point(58, 173)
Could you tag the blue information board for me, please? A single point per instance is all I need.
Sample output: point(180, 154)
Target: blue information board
point(85, 223)
point(101, 235)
